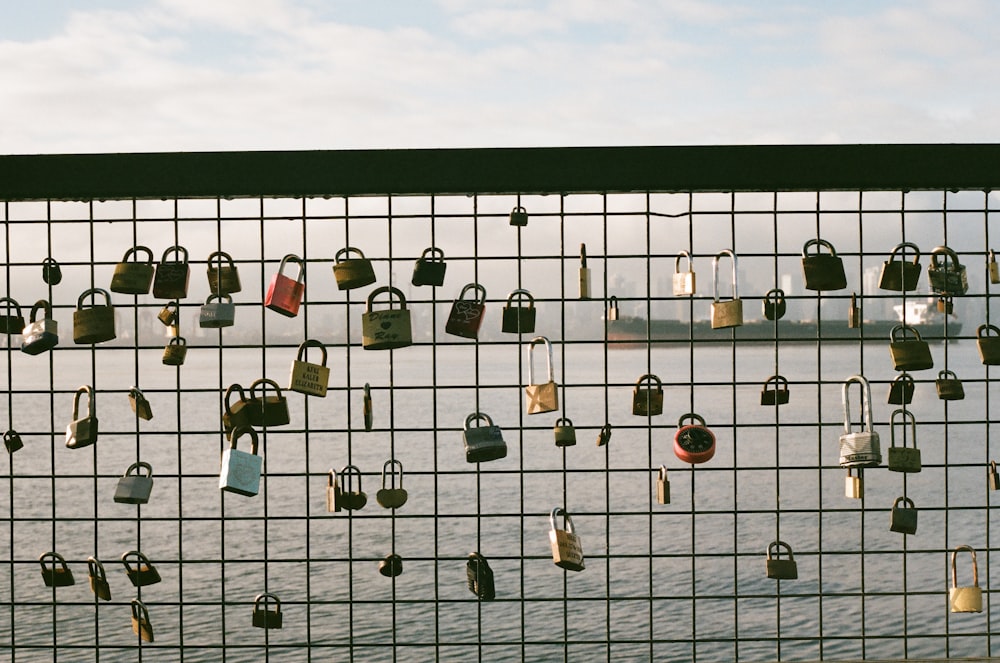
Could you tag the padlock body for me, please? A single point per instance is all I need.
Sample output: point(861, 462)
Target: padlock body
point(353, 273)
point(900, 392)
point(240, 472)
point(238, 416)
point(39, 336)
point(904, 459)
point(141, 407)
point(167, 315)
point(391, 498)
point(174, 354)
point(11, 324)
point(782, 569)
point(565, 436)
point(518, 319)
point(518, 218)
point(480, 579)
point(171, 280)
point(824, 271)
point(216, 315)
point(386, 329)
point(860, 449)
point(994, 270)
point(81, 433)
point(100, 588)
point(311, 379)
point(142, 628)
point(542, 397)
point(224, 280)
point(333, 496)
point(965, 599)
point(949, 389)
point(662, 491)
point(268, 411)
point(776, 396)
point(133, 489)
point(428, 272)
point(58, 577)
point(775, 310)
point(567, 553)
point(465, 319)
point(484, 443)
point(143, 574)
point(263, 618)
point(647, 402)
point(727, 313)
point(93, 325)
point(994, 479)
point(910, 355)
point(948, 280)
point(284, 295)
point(854, 487)
point(903, 520)
point(989, 350)
point(899, 275)
point(132, 278)
point(854, 316)
point(684, 283)
point(585, 283)
point(12, 441)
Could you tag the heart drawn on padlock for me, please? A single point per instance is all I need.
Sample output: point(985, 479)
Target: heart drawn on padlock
point(386, 324)
point(391, 498)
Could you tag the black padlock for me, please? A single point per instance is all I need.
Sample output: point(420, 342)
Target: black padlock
point(901, 390)
point(774, 304)
point(949, 387)
point(518, 319)
point(781, 569)
point(12, 441)
point(139, 569)
point(11, 323)
point(823, 271)
point(352, 273)
point(903, 518)
point(172, 276)
point(604, 435)
point(267, 410)
point(518, 216)
point(223, 277)
point(235, 415)
point(51, 271)
point(55, 572)
point(391, 566)
point(135, 488)
point(909, 354)
point(899, 275)
point(93, 324)
point(483, 443)
point(480, 577)
point(264, 618)
point(466, 316)
point(775, 391)
point(429, 268)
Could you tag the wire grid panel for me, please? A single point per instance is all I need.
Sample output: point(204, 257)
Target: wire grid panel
point(678, 581)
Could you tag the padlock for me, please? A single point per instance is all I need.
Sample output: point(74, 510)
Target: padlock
point(567, 551)
point(604, 435)
point(391, 496)
point(518, 216)
point(367, 407)
point(96, 323)
point(901, 390)
point(223, 277)
point(727, 313)
point(662, 486)
point(988, 344)
point(267, 410)
point(306, 378)
point(612, 315)
point(11, 324)
point(240, 472)
point(899, 275)
point(993, 476)
point(684, 283)
point(98, 579)
point(909, 354)
point(519, 319)
point(903, 518)
point(948, 277)
point(235, 415)
point(352, 272)
point(693, 443)
point(175, 352)
point(391, 566)
point(467, 314)
point(172, 276)
point(12, 441)
point(284, 295)
point(774, 304)
point(945, 305)
point(140, 621)
point(774, 391)
point(854, 312)
point(386, 329)
point(903, 458)
point(647, 401)
point(777, 568)
point(480, 577)
point(51, 271)
point(139, 404)
point(584, 273)
point(169, 314)
point(135, 488)
point(218, 311)
point(822, 271)
point(39, 336)
point(429, 268)
point(854, 483)
point(564, 432)
point(541, 397)
point(139, 569)
point(483, 443)
point(993, 268)
point(332, 492)
point(55, 572)
point(350, 499)
point(82, 431)
point(949, 387)
point(859, 449)
point(133, 278)
point(965, 599)
point(262, 616)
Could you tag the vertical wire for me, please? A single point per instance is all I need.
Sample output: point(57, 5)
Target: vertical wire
point(607, 454)
point(520, 460)
point(10, 425)
point(52, 438)
point(819, 444)
point(392, 425)
point(92, 351)
point(434, 439)
point(736, 573)
point(692, 474)
point(565, 477)
point(986, 287)
point(861, 295)
point(479, 475)
point(651, 484)
point(350, 439)
point(306, 441)
point(947, 620)
point(777, 425)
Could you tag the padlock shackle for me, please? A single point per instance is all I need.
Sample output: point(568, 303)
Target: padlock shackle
point(229, 300)
point(905, 500)
point(346, 251)
point(904, 415)
point(521, 295)
point(774, 296)
point(138, 466)
point(662, 473)
point(473, 286)
point(715, 274)
point(567, 520)
point(564, 421)
point(901, 248)
point(265, 597)
point(649, 377)
point(775, 547)
point(177, 249)
point(548, 358)
point(178, 340)
point(310, 343)
point(851, 469)
point(866, 400)
point(434, 251)
point(140, 561)
point(346, 473)
point(135, 251)
point(11, 300)
point(945, 374)
point(693, 417)
point(91, 406)
point(980, 330)
point(139, 612)
point(244, 430)
point(392, 467)
point(478, 416)
point(817, 242)
point(902, 329)
point(219, 256)
point(975, 566)
point(95, 569)
point(233, 387)
point(583, 256)
point(291, 257)
point(677, 262)
point(776, 380)
point(263, 382)
point(392, 291)
point(518, 208)
point(613, 301)
point(40, 304)
point(948, 254)
point(53, 558)
point(903, 377)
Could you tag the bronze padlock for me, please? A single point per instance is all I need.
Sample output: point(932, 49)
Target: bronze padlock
point(262, 616)
point(82, 430)
point(854, 486)
point(389, 328)
point(662, 486)
point(352, 272)
point(172, 276)
point(541, 397)
point(169, 314)
point(988, 342)
point(968, 598)
point(993, 268)
point(993, 476)
point(949, 387)
point(11, 323)
point(854, 312)
point(133, 278)
point(725, 313)
point(518, 319)
point(175, 351)
point(899, 275)
point(139, 404)
point(822, 271)
point(306, 378)
point(564, 432)
point(612, 315)
point(139, 569)
point(903, 517)
point(903, 458)
point(140, 621)
point(96, 323)
point(429, 268)
point(774, 391)
point(223, 277)
point(777, 568)
point(567, 551)
point(774, 304)
point(333, 492)
point(55, 572)
point(647, 399)
point(98, 579)
point(909, 354)
point(901, 390)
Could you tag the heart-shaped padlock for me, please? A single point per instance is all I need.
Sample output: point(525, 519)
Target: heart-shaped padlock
point(394, 496)
point(351, 499)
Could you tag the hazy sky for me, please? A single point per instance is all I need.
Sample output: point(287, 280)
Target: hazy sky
point(149, 75)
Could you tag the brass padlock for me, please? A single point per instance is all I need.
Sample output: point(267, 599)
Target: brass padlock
point(903, 517)
point(332, 492)
point(694, 442)
point(901, 390)
point(55, 572)
point(466, 316)
point(662, 486)
point(564, 432)
point(647, 401)
point(12, 441)
point(969, 598)
point(993, 476)
point(262, 616)
point(604, 435)
point(391, 496)
point(519, 319)
point(909, 354)
point(172, 276)
point(352, 272)
point(774, 304)
point(133, 278)
point(854, 312)
point(98, 579)
point(350, 499)
point(948, 277)
point(82, 431)
point(386, 329)
point(541, 397)
point(993, 268)
point(51, 271)
point(284, 295)
point(567, 551)
point(135, 488)
point(140, 621)
point(217, 312)
point(175, 352)
point(859, 449)
point(306, 378)
point(822, 271)
point(684, 283)
point(725, 313)
point(367, 408)
point(391, 566)
point(139, 404)
point(774, 391)
point(903, 458)
point(41, 335)
point(584, 273)
point(988, 342)
point(223, 277)
point(169, 314)
point(949, 387)
point(235, 415)
point(94, 324)
point(612, 315)
point(267, 410)
point(480, 577)
point(483, 443)
point(899, 275)
point(240, 472)
point(854, 483)
point(139, 569)
point(777, 568)
point(518, 216)
point(429, 268)
point(11, 323)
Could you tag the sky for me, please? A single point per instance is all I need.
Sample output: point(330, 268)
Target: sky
point(190, 75)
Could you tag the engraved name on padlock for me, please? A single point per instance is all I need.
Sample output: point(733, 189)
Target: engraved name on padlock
point(480, 577)
point(11, 323)
point(352, 273)
point(774, 391)
point(51, 271)
point(140, 621)
point(822, 271)
point(223, 277)
point(662, 486)
point(172, 276)
point(725, 313)
point(82, 430)
point(903, 517)
point(541, 397)
point(861, 448)
point(647, 396)
point(307, 378)
point(947, 277)
point(175, 352)
point(218, 311)
point(139, 569)
point(909, 354)
point(584, 273)
point(284, 295)
point(899, 275)
point(391, 496)
point(96, 323)
point(350, 499)
point(135, 487)
point(613, 314)
point(482, 443)
point(263, 617)
point(567, 551)
point(777, 568)
point(55, 572)
point(988, 342)
point(968, 598)
point(466, 316)
point(854, 483)
point(565, 434)
point(948, 386)
point(774, 305)
point(694, 442)
point(241, 470)
point(98, 579)
point(12, 441)
point(518, 216)
point(901, 390)
point(40, 335)
point(430, 267)
point(387, 328)
point(518, 319)
point(684, 283)
point(903, 458)
point(139, 404)
point(133, 278)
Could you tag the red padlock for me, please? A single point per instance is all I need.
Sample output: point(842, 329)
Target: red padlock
point(284, 295)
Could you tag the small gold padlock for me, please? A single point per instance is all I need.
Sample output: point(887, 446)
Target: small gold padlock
point(662, 486)
point(854, 486)
point(993, 268)
point(542, 397)
point(567, 552)
point(968, 598)
point(140, 621)
point(725, 313)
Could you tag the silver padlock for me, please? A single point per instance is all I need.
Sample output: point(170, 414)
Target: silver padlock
point(541, 397)
point(241, 470)
point(662, 486)
point(40, 335)
point(82, 431)
point(969, 598)
point(903, 458)
point(684, 282)
point(135, 488)
point(903, 517)
point(725, 313)
point(859, 449)
point(567, 551)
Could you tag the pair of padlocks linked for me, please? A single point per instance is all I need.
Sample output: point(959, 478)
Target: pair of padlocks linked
point(542, 397)
point(341, 493)
point(257, 409)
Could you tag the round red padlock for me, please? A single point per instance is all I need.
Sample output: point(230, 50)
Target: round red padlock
point(694, 443)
